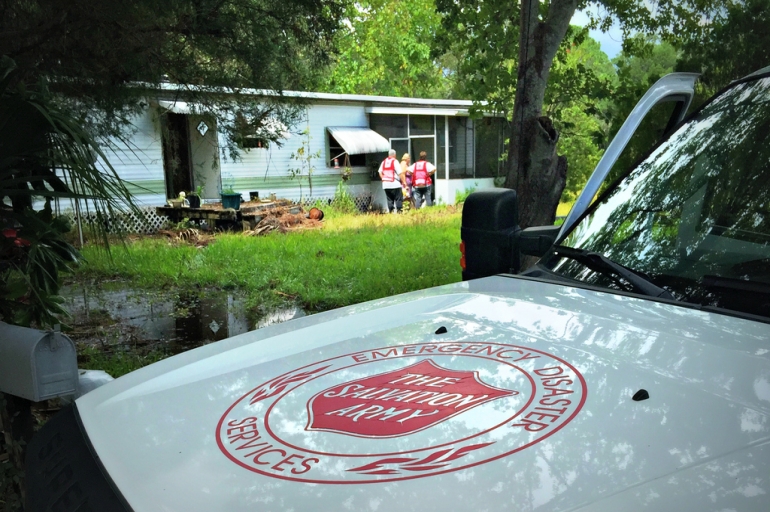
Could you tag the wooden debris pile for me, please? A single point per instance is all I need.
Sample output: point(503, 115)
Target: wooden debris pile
point(285, 219)
point(254, 219)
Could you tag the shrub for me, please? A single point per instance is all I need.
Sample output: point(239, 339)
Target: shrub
point(461, 196)
point(343, 201)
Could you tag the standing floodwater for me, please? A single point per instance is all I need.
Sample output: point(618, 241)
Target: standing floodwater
point(181, 319)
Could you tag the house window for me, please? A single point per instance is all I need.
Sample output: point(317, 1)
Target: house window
point(460, 147)
point(253, 143)
point(338, 152)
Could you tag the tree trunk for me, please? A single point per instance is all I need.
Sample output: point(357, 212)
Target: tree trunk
point(535, 171)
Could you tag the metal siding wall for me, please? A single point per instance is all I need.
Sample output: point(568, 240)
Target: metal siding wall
point(138, 161)
point(141, 159)
point(258, 163)
point(267, 170)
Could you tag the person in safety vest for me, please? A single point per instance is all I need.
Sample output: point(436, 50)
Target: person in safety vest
point(392, 182)
point(421, 172)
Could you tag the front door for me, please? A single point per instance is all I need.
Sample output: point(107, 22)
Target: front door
point(401, 146)
point(426, 144)
point(176, 154)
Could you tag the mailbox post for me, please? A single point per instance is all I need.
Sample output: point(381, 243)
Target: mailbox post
point(37, 365)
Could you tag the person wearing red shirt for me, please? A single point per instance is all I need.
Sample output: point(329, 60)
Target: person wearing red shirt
point(421, 172)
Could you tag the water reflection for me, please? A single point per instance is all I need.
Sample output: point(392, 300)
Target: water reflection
point(183, 319)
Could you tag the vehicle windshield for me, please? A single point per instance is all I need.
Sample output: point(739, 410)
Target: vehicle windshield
point(694, 216)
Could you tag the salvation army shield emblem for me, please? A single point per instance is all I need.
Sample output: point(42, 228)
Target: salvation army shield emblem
point(399, 402)
point(385, 414)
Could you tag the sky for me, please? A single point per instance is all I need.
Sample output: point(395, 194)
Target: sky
point(611, 41)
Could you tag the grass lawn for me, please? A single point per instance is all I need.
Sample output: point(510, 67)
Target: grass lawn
point(563, 209)
point(354, 258)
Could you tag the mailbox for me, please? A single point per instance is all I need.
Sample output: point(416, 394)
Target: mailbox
point(37, 365)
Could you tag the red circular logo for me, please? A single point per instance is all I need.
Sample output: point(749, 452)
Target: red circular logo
point(403, 412)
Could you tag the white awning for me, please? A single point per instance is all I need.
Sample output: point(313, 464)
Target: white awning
point(359, 140)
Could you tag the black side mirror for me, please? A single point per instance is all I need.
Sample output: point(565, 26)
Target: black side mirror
point(537, 240)
point(492, 242)
point(489, 234)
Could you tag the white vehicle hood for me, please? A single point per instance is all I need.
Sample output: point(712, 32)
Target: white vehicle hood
point(524, 403)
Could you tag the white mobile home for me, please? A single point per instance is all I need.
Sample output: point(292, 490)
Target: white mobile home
point(175, 148)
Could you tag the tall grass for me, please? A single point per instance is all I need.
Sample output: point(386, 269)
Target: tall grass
point(354, 258)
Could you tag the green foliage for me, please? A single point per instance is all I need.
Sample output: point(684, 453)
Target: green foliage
point(344, 201)
point(484, 37)
point(386, 50)
point(117, 360)
point(31, 259)
point(581, 80)
point(341, 264)
point(580, 142)
point(89, 51)
point(37, 137)
point(579, 100)
point(183, 224)
point(582, 75)
point(737, 44)
point(671, 21)
point(636, 74)
point(461, 196)
point(303, 159)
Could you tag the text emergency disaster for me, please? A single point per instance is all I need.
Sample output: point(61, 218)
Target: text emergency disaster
point(401, 412)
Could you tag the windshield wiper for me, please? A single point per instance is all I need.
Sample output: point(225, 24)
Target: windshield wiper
point(602, 264)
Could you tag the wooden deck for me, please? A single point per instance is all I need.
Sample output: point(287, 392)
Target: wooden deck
point(247, 217)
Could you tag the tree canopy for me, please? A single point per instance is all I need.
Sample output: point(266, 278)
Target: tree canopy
point(386, 50)
point(636, 73)
point(580, 101)
point(90, 50)
point(511, 49)
point(737, 44)
point(44, 154)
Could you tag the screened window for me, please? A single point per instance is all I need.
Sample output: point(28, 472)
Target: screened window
point(420, 125)
point(490, 145)
point(389, 126)
point(460, 148)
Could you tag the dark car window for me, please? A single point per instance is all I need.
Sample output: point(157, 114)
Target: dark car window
point(694, 216)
